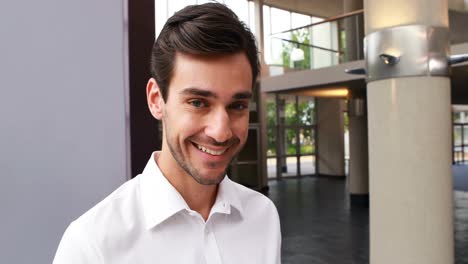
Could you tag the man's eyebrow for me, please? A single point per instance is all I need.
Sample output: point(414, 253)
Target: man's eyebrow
point(205, 93)
point(243, 95)
point(198, 92)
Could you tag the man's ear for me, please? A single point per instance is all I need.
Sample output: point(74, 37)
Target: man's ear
point(155, 99)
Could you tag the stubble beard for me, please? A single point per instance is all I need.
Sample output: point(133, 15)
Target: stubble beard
point(176, 152)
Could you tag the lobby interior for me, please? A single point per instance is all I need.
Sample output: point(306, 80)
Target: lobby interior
point(308, 144)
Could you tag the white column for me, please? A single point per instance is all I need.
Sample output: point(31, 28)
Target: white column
point(409, 150)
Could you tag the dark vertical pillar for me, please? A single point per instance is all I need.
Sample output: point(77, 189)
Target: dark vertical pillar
point(144, 137)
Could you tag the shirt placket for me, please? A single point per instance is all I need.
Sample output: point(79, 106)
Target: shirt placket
point(212, 254)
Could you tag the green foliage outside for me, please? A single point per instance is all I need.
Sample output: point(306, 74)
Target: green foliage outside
point(344, 53)
point(304, 117)
point(301, 36)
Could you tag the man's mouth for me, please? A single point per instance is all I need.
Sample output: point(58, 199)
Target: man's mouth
point(210, 151)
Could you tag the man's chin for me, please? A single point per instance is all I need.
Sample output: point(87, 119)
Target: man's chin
point(209, 179)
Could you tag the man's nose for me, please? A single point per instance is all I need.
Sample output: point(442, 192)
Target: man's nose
point(219, 126)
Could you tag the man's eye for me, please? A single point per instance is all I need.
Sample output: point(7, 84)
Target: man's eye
point(239, 106)
point(197, 103)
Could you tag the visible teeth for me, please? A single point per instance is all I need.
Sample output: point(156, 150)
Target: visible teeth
point(210, 151)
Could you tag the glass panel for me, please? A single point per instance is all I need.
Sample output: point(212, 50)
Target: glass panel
point(307, 165)
point(290, 142)
point(324, 41)
point(160, 7)
point(299, 20)
point(463, 116)
point(252, 16)
point(306, 110)
point(271, 167)
point(271, 141)
point(271, 110)
point(281, 21)
point(457, 135)
point(240, 7)
point(290, 168)
point(266, 34)
point(253, 104)
point(174, 6)
point(298, 51)
point(276, 51)
point(316, 19)
point(314, 47)
point(465, 135)
point(307, 141)
point(287, 109)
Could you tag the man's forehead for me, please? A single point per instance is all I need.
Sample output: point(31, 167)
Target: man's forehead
point(215, 74)
point(208, 57)
point(190, 91)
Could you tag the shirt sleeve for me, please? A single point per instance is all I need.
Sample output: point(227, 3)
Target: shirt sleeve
point(274, 236)
point(277, 252)
point(76, 248)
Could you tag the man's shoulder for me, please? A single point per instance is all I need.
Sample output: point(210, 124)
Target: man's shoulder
point(102, 226)
point(119, 209)
point(254, 201)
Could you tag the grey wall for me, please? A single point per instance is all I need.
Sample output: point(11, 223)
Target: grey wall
point(62, 118)
point(330, 136)
point(457, 22)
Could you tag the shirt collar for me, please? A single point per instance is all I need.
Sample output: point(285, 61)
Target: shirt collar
point(227, 198)
point(160, 200)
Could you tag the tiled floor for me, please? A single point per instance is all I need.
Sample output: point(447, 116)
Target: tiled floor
point(319, 227)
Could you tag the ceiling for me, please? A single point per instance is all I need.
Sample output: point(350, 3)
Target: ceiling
point(331, 8)
point(319, 8)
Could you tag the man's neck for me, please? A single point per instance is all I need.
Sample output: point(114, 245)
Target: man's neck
point(198, 197)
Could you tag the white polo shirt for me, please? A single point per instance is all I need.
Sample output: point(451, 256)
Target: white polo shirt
point(147, 221)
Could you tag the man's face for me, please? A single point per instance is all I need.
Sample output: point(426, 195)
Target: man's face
point(206, 114)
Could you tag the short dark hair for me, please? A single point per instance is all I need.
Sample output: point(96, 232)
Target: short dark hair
point(209, 29)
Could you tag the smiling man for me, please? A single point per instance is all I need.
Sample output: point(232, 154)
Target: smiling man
point(182, 208)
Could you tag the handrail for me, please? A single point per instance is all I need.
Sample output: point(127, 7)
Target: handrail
point(309, 45)
point(349, 14)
